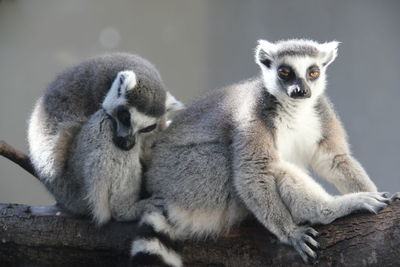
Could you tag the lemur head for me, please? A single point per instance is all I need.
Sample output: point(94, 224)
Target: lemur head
point(295, 69)
point(138, 107)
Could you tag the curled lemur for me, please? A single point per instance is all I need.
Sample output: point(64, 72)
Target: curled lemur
point(245, 149)
point(92, 130)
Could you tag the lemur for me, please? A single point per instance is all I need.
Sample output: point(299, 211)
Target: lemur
point(90, 134)
point(245, 150)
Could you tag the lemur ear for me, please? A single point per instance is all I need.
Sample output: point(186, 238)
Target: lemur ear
point(172, 105)
point(127, 80)
point(265, 53)
point(328, 52)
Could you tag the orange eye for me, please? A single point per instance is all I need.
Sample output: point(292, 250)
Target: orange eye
point(313, 74)
point(283, 73)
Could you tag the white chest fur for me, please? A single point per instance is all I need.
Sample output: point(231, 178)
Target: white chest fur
point(298, 133)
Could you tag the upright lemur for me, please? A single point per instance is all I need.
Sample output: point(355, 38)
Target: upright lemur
point(92, 130)
point(245, 149)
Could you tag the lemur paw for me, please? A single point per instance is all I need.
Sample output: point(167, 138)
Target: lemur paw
point(395, 196)
point(302, 239)
point(126, 79)
point(374, 201)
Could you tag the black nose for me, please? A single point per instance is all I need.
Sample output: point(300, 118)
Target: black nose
point(301, 90)
point(124, 143)
point(302, 93)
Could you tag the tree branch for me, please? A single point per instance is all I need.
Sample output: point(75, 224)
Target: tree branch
point(46, 236)
point(17, 157)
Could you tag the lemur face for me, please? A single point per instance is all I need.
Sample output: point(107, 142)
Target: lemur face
point(134, 110)
point(295, 69)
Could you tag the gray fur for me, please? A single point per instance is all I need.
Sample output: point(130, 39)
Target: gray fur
point(224, 158)
point(297, 50)
point(89, 82)
point(71, 134)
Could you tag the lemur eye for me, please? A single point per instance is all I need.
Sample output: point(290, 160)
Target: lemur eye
point(284, 73)
point(124, 117)
point(313, 74)
point(148, 129)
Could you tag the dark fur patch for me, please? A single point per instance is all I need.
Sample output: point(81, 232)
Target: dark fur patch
point(264, 58)
point(147, 100)
point(144, 193)
point(298, 50)
point(143, 259)
point(267, 109)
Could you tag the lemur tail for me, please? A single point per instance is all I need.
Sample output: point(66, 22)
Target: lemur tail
point(154, 243)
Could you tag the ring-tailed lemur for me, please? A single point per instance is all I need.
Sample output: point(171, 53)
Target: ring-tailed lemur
point(245, 149)
point(92, 130)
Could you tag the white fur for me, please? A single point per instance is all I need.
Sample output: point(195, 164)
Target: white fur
point(172, 104)
point(158, 222)
point(244, 101)
point(48, 151)
point(328, 51)
point(40, 150)
point(98, 199)
point(154, 246)
point(140, 120)
point(298, 134)
point(201, 223)
point(128, 79)
point(327, 54)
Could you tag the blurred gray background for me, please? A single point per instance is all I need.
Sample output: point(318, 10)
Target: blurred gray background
point(198, 46)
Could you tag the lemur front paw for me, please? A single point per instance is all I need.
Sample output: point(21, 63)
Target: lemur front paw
point(373, 201)
point(395, 196)
point(127, 80)
point(301, 239)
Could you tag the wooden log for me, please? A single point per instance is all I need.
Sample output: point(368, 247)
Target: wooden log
point(47, 236)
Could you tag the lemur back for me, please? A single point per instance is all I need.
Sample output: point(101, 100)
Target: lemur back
point(246, 149)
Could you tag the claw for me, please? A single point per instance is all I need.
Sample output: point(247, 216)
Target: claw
point(299, 250)
point(311, 241)
point(304, 243)
point(370, 208)
point(386, 200)
point(312, 232)
point(308, 250)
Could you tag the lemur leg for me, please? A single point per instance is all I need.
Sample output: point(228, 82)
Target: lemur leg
point(309, 202)
point(258, 188)
point(345, 172)
point(332, 159)
point(260, 195)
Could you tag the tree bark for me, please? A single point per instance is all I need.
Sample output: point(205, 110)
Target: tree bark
point(47, 236)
